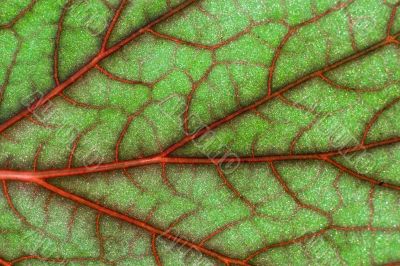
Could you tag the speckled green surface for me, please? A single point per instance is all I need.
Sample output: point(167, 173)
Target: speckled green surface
point(208, 132)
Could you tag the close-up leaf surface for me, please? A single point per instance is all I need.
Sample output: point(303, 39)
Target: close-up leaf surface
point(199, 132)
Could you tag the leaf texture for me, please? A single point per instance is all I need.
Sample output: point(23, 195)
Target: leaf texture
point(199, 132)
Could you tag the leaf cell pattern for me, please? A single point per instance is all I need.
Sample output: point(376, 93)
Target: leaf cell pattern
point(199, 132)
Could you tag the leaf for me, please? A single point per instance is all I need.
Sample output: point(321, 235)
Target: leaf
point(199, 132)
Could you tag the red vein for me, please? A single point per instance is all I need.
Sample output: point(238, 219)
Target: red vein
point(122, 135)
point(154, 249)
point(298, 105)
point(54, 260)
point(72, 221)
point(362, 177)
point(76, 142)
point(165, 179)
point(117, 78)
point(218, 231)
point(267, 98)
point(19, 215)
point(90, 65)
point(391, 19)
point(9, 70)
point(36, 157)
point(112, 25)
point(286, 243)
point(351, 31)
point(229, 185)
point(395, 263)
point(57, 42)
point(341, 87)
point(202, 46)
point(80, 104)
point(4, 262)
point(19, 15)
point(99, 237)
point(11, 204)
point(150, 25)
point(39, 123)
point(301, 133)
point(276, 57)
point(195, 86)
point(309, 236)
point(371, 205)
point(290, 34)
point(294, 196)
point(180, 219)
point(136, 222)
point(178, 41)
point(63, 172)
point(375, 118)
point(164, 160)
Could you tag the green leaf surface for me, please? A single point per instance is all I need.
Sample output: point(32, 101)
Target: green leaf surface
point(199, 132)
